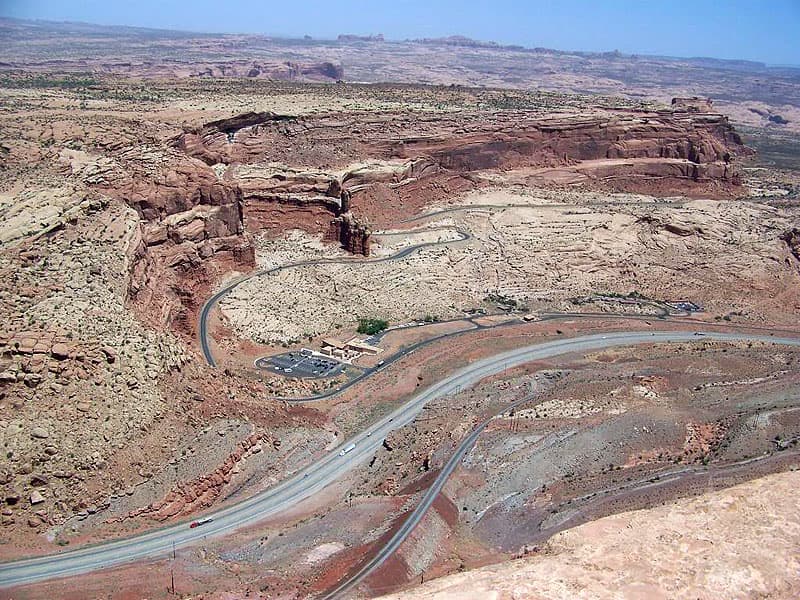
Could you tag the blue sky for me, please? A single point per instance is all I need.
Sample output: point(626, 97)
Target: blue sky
point(763, 30)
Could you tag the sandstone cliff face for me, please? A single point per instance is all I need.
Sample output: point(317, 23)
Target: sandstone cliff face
point(471, 141)
point(214, 142)
point(705, 140)
point(275, 199)
point(191, 225)
point(195, 225)
point(684, 149)
point(171, 185)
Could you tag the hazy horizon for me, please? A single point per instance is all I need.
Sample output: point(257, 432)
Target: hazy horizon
point(734, 30)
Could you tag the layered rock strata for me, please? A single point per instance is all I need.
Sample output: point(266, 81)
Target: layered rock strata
point(471, 141)
point(190, 230)
point(201, 196)
point(683, 149)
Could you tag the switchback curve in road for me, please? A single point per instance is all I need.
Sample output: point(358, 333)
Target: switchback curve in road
point(205, 311)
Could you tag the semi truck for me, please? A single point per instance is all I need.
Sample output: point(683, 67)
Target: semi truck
point(200, 522)
point(348, 449)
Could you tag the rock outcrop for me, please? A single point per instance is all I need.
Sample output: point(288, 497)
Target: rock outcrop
point(173, 69)
point(352, 234)
point(214, 142)
point(190, 222)
point(470, 142)
point(792, 239)
point(693, 104)
point(202, 492)
point(708, 141)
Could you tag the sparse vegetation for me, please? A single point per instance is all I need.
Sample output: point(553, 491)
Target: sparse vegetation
point(501, 300)
point(369, 326)
point(69, 82)
point(429, 319)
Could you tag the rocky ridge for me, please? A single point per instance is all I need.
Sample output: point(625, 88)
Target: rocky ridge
point(472, 141)
point(792, 239)
point(203, 491)
point(173, 69)
point(73, 358)
point(685, 148)
point(720, 543)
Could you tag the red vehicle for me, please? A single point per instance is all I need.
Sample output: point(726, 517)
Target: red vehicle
point(200, 522)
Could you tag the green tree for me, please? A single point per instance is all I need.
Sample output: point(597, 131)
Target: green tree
point(371, 326)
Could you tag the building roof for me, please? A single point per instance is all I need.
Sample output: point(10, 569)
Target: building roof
point(362, 345)
point(334, 342)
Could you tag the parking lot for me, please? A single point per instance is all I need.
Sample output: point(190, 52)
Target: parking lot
point(301, 363)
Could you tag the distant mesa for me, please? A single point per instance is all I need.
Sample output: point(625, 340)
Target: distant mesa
point(349, 37)
point(462, 41)
point(458, 40)
point(323, 70)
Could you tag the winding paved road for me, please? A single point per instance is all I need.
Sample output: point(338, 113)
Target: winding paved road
point(333, 465)
point(211, 302)
point(327, 469)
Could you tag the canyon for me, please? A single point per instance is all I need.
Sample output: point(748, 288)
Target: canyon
point(203, 192)
point(472, 219)
point(666, 151)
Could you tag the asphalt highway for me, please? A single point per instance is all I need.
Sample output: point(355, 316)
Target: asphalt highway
point(330, 467)
point(427, 500)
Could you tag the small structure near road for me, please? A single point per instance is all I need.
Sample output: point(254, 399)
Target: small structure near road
point(685, 305)
point(348, 350)
point(363, 346)
point(334, 347)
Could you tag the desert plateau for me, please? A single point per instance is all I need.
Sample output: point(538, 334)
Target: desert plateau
point(362, 317)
